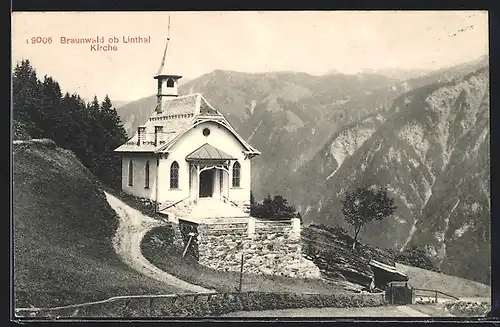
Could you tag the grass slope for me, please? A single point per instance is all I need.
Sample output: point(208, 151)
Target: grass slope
point(460, 287)
point(63, 228)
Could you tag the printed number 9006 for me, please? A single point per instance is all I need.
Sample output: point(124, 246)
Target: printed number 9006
point(39, 39)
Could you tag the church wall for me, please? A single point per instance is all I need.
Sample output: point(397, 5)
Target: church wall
point(165, 193)
point(241, 195)
point(138, 187)
point(220, 138)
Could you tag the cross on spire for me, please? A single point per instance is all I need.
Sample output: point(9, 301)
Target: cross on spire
point(168, 31)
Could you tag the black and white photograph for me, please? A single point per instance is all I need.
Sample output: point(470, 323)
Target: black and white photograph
point(262, 165)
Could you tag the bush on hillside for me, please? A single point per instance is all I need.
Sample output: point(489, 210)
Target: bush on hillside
point(144, 205)
point(468, 308)
point(416, 257)
point(275, 208)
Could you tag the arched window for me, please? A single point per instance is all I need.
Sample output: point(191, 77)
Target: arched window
point(146, 175)
point(236, 174)
point(174, 175)
point(130, 173)
point(170, 82)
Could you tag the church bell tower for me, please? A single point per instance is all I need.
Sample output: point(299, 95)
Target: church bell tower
point(168, 82)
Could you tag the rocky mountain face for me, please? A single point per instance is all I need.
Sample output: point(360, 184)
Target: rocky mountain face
point(321, 135)
point(432, 151)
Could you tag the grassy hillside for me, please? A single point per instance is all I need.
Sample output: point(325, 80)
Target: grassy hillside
point(460, 287)
point(63, 229)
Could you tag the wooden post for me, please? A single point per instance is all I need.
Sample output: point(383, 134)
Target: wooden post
point(436, 298)
point(392, 293)
point(241, 273)
point(189, 242)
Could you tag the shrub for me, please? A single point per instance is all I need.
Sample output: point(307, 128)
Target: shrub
point(275, 208)
point(416, 257)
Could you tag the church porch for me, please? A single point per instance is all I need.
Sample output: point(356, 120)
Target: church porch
point(209, 187)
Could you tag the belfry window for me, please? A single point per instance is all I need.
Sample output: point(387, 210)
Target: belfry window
point(174, 175)
point(236, 174)
point(170, 82)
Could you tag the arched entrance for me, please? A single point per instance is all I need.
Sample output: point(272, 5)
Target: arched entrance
point(207, 181)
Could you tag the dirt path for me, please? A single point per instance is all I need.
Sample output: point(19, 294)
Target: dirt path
point(133, 225)
point(375, 312)
point(411, 312)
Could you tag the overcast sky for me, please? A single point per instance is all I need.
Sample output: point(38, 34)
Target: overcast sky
point(311, 42)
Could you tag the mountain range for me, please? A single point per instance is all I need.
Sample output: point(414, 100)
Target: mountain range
point(425, 137)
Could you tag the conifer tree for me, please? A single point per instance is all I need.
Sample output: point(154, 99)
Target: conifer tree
point(115, 135)
point(52, 117)
point(91, 130)
point(26, 97)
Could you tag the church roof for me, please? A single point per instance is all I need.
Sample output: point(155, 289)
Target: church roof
point(209, 152)
point(179, 116)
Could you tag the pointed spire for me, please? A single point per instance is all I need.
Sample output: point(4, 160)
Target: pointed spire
point(166, 48)
point(162, 71)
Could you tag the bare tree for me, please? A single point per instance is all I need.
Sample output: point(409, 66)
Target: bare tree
point(365, 204)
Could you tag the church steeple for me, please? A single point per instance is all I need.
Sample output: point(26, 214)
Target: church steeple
point(167, 80)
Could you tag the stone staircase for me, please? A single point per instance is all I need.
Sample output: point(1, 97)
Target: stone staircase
point(204, 208)
point(179, 210)
point(214, 208)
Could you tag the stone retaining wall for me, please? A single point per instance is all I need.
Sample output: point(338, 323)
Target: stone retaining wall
point(267, 247)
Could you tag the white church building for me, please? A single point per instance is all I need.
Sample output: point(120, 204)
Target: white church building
point(187, 157)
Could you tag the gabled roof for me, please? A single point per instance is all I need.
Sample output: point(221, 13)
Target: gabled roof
point(209, 152)
point(387, 268)
point(180, 115)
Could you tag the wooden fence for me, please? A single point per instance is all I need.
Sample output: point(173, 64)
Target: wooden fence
point(434, 294)
point(402, 293)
